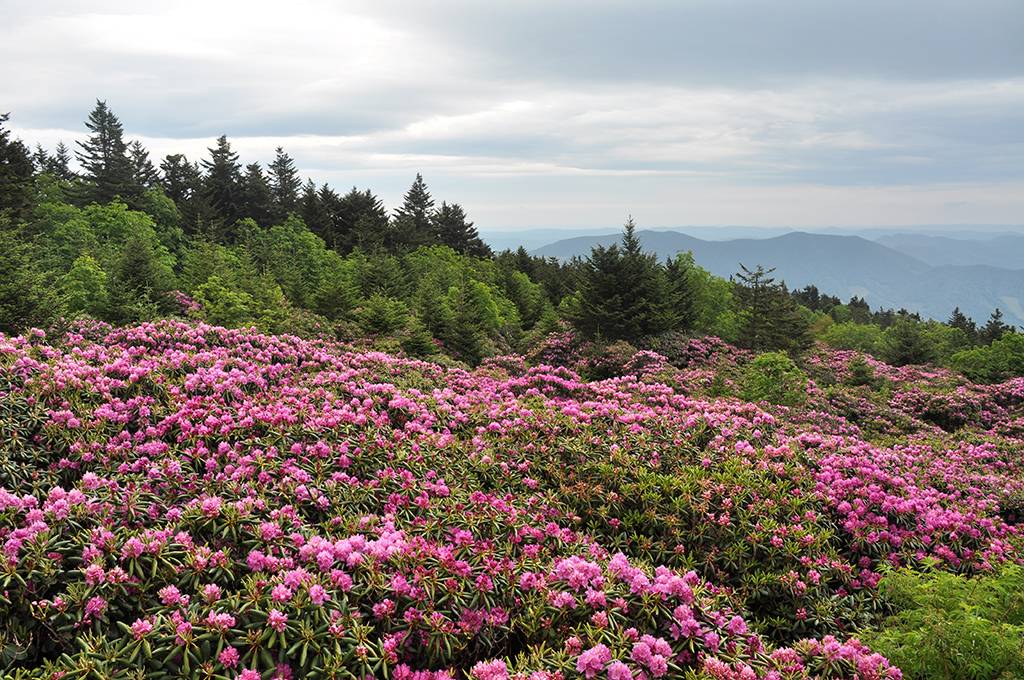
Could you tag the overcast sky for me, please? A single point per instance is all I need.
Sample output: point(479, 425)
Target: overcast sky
point(553, 113)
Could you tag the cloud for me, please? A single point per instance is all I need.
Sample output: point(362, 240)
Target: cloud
point(836, 102)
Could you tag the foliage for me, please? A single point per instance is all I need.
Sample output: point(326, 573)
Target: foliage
point(769, 318)
point(773, 377)
point(1000, 361)
point(948, 627)
point(624, 293)
point(905, 343)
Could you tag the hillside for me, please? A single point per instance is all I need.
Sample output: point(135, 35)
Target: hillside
point(844, 266)
point(196, 496)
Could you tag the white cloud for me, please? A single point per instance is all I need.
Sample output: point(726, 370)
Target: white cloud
point(361, 94)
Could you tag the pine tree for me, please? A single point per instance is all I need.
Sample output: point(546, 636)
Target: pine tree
point(60, 161)
point(451, 228)
point(906, 344)
point(994, 328)
point(138, 289)
point(16, 174)
point(771, 318)
point(961, 321)
point(682, 292)
point(624, 293)
point(257, 196)
point(108, 171)
point(412, 223)
point(40, 159)
point(330, 207)
point(222, 186)
point(363, 221)
point(182, 182)
point(312, 210)
point(144, 175)
point(284, 185)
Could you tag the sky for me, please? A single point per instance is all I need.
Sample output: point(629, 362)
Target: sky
point(559, 113)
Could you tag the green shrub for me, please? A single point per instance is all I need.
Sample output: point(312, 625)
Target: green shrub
point(773, 377)
point(861, 372)
point(851, 335)
point(950, 627)
point(1001, 360)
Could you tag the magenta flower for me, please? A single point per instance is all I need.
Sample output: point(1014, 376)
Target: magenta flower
point(228, 657)
point(277, 620)
point(592, 661)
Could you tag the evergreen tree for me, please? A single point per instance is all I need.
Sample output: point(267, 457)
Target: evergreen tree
point(412, 223)
point(59, 163)
point(771, 318)
point(363, 221)
point(16, 174)
point(140, 283)
point(284, 185)
point(905, 343)
point(257, 196)
point(144, 175)
point(961, 321)
point(330, 209)
point(623, 293)
point(860, 311)
point(27, 295)
point(108, 171)
point(451, 228)
point(682, 291)
point(222, 186)
point(182, 182)
point(312, 210)
point(994, 328)
point(40, 159)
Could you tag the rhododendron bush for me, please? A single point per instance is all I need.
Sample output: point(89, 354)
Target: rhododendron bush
point(187, 501)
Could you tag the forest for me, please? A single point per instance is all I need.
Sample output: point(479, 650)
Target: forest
point(127, 240)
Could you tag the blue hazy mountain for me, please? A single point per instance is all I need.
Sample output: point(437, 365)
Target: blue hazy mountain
point(842, 266)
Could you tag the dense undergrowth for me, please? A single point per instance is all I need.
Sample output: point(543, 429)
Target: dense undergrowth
point(181, 500)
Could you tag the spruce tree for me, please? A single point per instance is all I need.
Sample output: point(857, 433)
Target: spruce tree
point(284, 185)
point(623, 293)
point(182, 182)
point(770, 317)
point(451, 228)
point(994, 328)
point(16, 173)
point(257, 196)
point(905, 343)
point(144, 175)
point(330, 208)
point(682, 292)
point(107, 169)
point(412, 223)
point(961, 321)
point(59, 164)
point(40, 159)
point(362, 221)
point(222, 186)
point(312, 210)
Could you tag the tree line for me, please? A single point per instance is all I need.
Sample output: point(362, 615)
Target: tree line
point(124, 239)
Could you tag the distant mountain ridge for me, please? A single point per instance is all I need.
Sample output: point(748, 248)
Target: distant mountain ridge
point(842, 266)
point(1006, 250)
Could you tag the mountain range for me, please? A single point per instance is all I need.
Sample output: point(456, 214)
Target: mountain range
point(926, 273)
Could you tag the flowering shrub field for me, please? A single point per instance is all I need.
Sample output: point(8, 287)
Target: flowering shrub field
point(181, 500)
